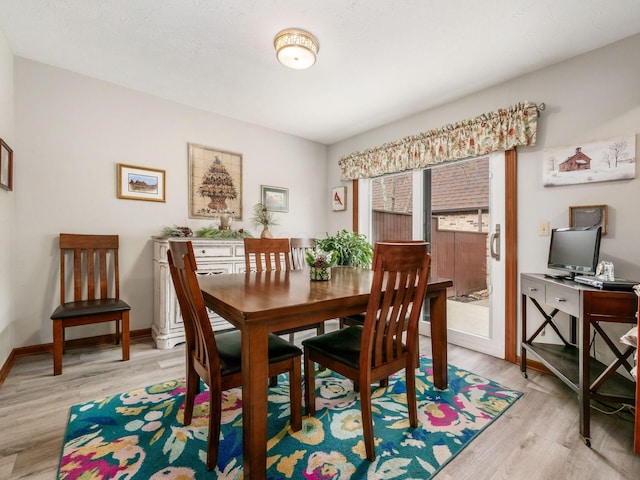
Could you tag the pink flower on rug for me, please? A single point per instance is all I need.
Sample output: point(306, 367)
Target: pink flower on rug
point(328, 466)
point(440, 415)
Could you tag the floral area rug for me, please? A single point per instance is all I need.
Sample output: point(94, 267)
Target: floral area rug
point(140, 435)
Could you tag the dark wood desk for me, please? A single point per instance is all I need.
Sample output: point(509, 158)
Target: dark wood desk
point(571, 361)
point(259, 303)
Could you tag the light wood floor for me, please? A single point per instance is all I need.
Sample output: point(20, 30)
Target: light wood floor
point(537, 438)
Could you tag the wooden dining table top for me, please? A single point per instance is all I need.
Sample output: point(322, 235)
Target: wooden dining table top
point(259, 303)
point(243, 298)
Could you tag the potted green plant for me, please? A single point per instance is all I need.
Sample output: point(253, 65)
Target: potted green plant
point(350, 247)
point(262, 216)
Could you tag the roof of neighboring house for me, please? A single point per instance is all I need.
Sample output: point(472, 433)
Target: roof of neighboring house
point(460, 186)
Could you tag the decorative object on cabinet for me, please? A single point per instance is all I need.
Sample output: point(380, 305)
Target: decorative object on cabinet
point(141, 183)
point(598, 161)
point(338, 198)
point(212, 257)
point(263, 216)
point(6, 166)
point(589, 216)
point(177, 231)
point(275, 199)
point(215, 182)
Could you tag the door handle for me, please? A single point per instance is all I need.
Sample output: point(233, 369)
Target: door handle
point(494, 244)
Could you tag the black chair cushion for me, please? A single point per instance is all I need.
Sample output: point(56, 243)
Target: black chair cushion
point(89, 307)
point(357, 319)
point(230, 351)
point(342, 345)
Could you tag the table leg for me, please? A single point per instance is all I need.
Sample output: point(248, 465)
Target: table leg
point(439, 338)
point(255, 372)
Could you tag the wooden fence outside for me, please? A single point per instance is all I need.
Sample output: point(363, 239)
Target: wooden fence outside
point(458, 255)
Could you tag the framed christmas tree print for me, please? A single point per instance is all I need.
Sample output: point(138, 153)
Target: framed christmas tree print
point(215, 182)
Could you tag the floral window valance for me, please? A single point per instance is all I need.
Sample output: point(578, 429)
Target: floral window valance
point(500, 130)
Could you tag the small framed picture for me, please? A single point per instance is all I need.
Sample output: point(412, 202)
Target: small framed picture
point(589, 216)
point(141, 183)
point(338, 198)
point(276, 199)
point(6, 166)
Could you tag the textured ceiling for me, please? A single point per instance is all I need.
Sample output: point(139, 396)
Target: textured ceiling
point(379, 60)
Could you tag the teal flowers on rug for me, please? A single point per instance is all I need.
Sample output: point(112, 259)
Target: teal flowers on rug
point(140, 435)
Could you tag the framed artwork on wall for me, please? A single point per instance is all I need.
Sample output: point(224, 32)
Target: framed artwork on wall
point(276, 199)
point(140, 183)
point(589, 216)
point(6, 166)
point(338, 198)
point(596, 161)
point(215, 182)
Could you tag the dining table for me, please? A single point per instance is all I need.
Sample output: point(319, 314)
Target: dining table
point(260, 303)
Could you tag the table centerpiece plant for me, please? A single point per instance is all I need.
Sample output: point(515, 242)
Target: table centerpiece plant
point(320, 263)
point(351, 248)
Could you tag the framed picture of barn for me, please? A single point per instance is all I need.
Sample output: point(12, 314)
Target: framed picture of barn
point(597, 161)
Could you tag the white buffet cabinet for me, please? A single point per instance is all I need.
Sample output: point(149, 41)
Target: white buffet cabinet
point(212, 257)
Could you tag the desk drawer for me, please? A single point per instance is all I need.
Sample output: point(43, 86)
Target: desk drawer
point(534, 289)
point(565, 299)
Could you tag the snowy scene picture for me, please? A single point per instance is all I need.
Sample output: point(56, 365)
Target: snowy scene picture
point(599, 161)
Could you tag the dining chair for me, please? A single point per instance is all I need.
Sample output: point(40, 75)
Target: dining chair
point(93, 295)
point(299, 249)
point(216, 358)
point(358, 318)
point(273, 254)
point(371, 352)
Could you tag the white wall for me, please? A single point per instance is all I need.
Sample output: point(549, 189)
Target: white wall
point(7, 207)
point(72, 130)
point(593, 96)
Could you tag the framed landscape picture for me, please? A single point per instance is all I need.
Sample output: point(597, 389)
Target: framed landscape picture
point(215, 182)
point(141, 183)
point(603, 160)
point(6, 166)
point(276, 199)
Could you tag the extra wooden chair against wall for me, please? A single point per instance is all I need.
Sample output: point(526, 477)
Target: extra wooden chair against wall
point(373, 351)
point(299, 248)
point(268, 255)
point(216, 358)
point(95, 294)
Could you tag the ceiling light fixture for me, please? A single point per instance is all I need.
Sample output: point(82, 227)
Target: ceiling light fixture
point(296, 48)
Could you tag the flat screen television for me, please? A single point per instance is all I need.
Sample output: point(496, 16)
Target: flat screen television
point(574, 250)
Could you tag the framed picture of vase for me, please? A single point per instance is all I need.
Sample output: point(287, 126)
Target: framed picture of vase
point(215, 182)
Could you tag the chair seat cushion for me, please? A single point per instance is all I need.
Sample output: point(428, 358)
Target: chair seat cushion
point(342, 345)
point(230, 351)
point(89, 307)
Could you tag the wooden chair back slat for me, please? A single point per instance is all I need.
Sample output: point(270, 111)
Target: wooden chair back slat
point(267, 254)
point(299, 248)
point(94, 263)
point(198, 332)
point(397, 293)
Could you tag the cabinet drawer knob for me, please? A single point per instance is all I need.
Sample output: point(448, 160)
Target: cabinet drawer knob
point(558, 299)
point(532, 289)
